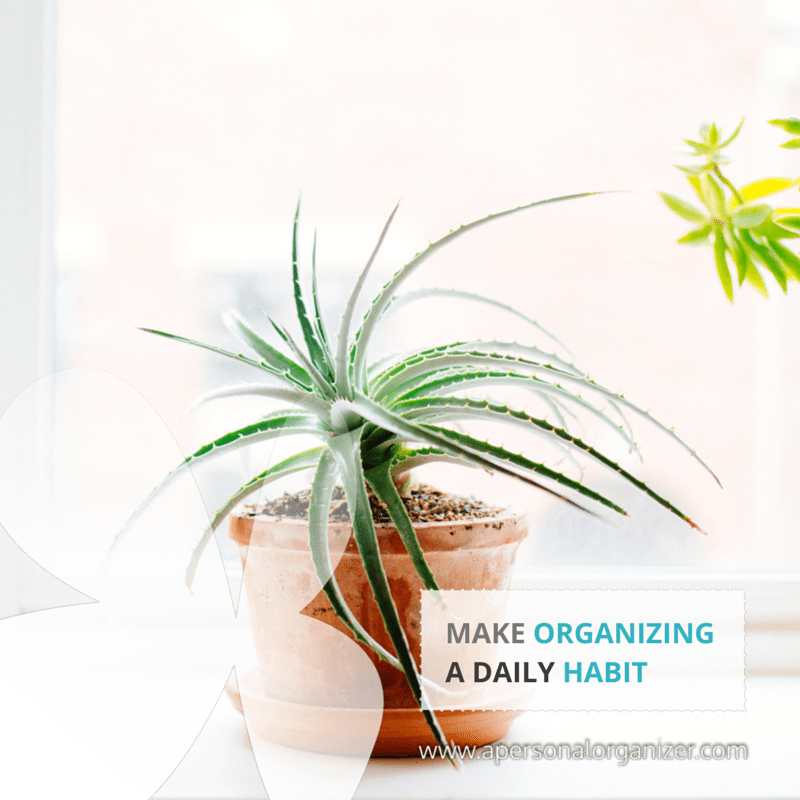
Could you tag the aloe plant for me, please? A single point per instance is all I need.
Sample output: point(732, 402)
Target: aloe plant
point(746, 233)
point(376, 420)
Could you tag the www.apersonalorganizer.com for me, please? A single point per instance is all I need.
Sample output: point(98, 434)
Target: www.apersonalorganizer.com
point(622, 753)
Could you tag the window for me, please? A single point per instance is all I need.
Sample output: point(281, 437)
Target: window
point(187, 131)
point(27, 176)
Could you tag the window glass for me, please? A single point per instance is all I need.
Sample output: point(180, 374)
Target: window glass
point(187, 130)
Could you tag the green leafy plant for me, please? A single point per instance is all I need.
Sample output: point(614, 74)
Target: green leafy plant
point(745, 232)
point(377, 419)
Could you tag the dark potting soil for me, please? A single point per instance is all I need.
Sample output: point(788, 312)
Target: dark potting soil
point(423, 504)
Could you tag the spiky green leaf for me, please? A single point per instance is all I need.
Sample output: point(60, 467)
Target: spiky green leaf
point(345, 448)
point(315, 350)
point(789, 260)
point(270, 354)
point(499, 455)
point(790, 125)
point(683, 209)
point(697, 237)
point(694, 169)
point(754, 278)
point(271, 428)
point(748, 216)
point(698, 147)
point(343, 344)
point(720, 248)
point(459, 354)
point(481, 453)
point(765, 187)
point(321, 383)
point(520, 365)
point(375, 312)
point(737, 252)
point(242, 359)
point(764, 256)
point(732, 136)
point(770, 230)
point(319, 321)
point(790, 221)
point(318, 515)
point(379, 478)
point(295, 463)
point(448, 382)
point(714, 196)
point(398, 301)
point(460, 407)
point(303, 399)
point(408, 459)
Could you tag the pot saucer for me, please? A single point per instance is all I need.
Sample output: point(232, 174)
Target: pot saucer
point(351, 731)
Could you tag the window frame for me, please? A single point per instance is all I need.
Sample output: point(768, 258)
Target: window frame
point(28, 80)
point(28, 93)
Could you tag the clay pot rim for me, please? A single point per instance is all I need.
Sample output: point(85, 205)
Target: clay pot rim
point(505, 515)
point(474, 532)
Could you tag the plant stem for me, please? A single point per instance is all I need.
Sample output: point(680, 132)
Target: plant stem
point(736, 193)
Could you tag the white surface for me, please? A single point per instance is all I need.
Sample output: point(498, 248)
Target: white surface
point(50, 651)
point(220, 766)
point(178, 670)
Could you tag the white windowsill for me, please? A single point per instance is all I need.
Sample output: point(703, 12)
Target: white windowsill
point(221, 767)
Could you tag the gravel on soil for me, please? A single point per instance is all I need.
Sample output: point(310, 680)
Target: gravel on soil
point(423, 504)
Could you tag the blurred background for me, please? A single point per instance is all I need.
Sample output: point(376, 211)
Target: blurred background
point(186, 130)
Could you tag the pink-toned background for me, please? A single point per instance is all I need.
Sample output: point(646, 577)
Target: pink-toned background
point(187, 129)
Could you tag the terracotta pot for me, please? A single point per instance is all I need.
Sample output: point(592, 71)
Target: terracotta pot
point(280, 583)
